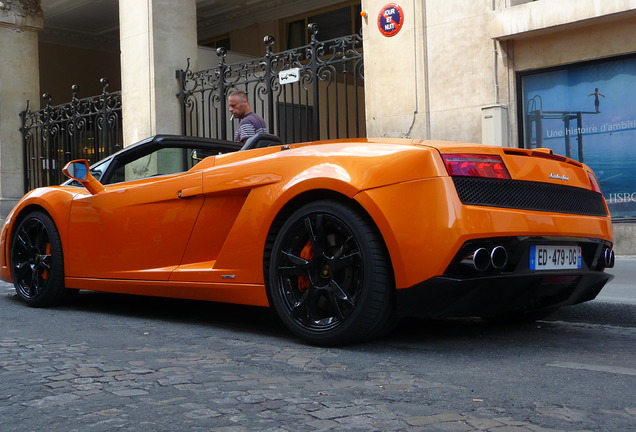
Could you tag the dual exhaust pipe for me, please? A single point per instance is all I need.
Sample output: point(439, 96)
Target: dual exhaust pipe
point(608, 258)
point(482, 259)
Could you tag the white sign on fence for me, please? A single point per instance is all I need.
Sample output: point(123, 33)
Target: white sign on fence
point(289, 76)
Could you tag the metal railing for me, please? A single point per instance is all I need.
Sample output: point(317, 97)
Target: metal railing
point(89, 128)
point(312, 92)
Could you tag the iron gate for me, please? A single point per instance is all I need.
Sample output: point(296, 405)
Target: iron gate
point(307, 93)
point(87, 128)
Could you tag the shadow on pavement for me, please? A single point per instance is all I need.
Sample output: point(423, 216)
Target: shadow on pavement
point(264, 321)
point(258, 320)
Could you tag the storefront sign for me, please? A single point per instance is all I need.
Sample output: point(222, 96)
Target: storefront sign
point(390, 19)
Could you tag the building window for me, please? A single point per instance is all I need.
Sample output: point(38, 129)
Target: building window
point(296, 33)
point(220, 42)
point(332, 24)
point(587, 112)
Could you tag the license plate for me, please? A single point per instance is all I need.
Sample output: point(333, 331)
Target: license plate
point(550, 257)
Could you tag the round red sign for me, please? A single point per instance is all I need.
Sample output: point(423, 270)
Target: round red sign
point(390, 19)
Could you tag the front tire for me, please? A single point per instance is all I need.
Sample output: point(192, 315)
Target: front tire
point(37, 262)
point(329, 277)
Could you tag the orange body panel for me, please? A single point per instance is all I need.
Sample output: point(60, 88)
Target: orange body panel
point(202, 234)
point(423, 237)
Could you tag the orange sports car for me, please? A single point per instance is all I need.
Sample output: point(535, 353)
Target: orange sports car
point(340, 237)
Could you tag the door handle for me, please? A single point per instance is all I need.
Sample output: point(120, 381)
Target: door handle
point(190, 192)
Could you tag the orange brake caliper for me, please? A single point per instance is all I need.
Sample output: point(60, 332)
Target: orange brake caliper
point(307, 253)
point(45, 273)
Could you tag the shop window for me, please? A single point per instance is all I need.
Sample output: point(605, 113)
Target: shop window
point(587, 112)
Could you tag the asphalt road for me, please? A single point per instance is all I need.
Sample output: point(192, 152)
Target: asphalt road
point(114, 362)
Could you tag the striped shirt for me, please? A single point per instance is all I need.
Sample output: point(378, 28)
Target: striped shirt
point(250, 125)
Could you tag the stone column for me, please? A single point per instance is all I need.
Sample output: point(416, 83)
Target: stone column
point(157, 37)
point(20, 22)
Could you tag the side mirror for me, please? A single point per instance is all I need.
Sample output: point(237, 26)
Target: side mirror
point(79, 170)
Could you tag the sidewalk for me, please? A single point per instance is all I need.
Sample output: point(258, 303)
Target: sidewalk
point(621, 289)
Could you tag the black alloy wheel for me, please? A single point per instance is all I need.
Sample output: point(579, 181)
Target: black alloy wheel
point(329, 277)
point(37, 263)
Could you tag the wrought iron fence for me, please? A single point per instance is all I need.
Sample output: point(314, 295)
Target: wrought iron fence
point(307, 93)
point(87, 128)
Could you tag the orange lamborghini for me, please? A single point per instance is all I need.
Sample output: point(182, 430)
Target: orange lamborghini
point(340, 237)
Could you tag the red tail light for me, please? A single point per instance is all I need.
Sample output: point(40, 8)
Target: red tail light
point(594, 182)
point(475, 165)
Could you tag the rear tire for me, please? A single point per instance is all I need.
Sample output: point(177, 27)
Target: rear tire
point(329, 277)
point(37, 262)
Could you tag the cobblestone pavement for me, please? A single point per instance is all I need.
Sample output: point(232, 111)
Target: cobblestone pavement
point(113, 362)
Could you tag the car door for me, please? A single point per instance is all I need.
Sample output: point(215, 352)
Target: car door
point(133, 229)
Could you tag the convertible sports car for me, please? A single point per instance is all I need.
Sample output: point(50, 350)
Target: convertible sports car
point(341, 237)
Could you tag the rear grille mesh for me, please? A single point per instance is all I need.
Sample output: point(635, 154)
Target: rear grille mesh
point(527, 195)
